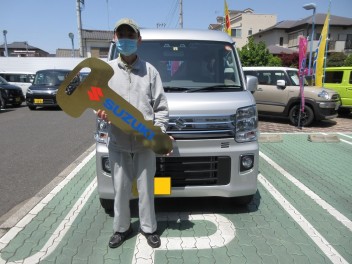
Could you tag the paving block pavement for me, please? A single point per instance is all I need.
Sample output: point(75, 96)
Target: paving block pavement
point(301, 213)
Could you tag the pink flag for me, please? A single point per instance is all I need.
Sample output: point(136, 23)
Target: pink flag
point(302, 66)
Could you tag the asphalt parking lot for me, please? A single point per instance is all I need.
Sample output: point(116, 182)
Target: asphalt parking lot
point(301, 212)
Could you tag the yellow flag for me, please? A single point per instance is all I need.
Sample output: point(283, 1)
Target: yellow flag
point(321, 53)
point(227, 24)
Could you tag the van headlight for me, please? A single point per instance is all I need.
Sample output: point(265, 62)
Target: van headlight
point(246, 124)
point(324, 94)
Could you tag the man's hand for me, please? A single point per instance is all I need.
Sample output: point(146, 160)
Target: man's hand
point(102, 114)
point(172, 139)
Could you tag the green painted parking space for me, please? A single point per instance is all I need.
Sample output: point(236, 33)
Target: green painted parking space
point(285, 223)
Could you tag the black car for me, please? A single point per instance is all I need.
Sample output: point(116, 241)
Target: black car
point(10, 94)
point(42, 93)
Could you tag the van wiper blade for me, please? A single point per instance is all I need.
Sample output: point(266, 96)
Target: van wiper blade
point(175, 89)
point(212, 88)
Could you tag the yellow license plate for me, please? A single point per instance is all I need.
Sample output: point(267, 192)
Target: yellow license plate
point(38, 101)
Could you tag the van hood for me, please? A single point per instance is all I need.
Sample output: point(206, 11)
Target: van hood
point(43, 87)
point(10, 87)
point(223, 103)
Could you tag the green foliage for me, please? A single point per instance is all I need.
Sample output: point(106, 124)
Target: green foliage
point(253, 54)
point(274, 61)
point(336, 59)
point(348, 60)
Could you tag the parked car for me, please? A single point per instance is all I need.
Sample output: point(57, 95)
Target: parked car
point(10, 94)
point(42, 93)
point(213, 121)
point(340, 80)
point(21, 79)
point(278, 94)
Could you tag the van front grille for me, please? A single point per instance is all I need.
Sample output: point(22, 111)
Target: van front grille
point(195, 171)
point(201, 127)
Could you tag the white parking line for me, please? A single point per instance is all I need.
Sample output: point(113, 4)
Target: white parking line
point(56, 237)
point(318, 239)
point(331, 210)
point(225, 232)
point(342, 134)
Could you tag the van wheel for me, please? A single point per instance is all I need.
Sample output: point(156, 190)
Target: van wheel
point(307, 116)
point(108, 206)
point(344, 111)
point(243, 200)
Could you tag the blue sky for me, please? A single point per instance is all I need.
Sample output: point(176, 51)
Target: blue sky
point(46, 23)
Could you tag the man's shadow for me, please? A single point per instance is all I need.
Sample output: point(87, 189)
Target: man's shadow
point(189, 205)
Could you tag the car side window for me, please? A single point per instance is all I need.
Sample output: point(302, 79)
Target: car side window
point(350, 82)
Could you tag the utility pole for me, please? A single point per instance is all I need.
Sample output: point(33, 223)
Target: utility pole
point(79, 23)
point(181, 15)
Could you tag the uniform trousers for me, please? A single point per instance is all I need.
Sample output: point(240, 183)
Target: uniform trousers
point(125, 168)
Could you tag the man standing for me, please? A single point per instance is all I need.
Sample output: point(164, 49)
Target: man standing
point(140, 84)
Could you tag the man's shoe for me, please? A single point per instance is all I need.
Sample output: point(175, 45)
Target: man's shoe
point(118, 238)
point(153, 239)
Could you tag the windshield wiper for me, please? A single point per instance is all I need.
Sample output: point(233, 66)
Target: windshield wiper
point(175, 89)
point(212, 88)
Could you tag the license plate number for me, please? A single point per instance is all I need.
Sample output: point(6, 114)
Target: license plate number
point(38, 101)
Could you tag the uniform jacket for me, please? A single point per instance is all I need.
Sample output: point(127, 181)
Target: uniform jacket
point(139, 84)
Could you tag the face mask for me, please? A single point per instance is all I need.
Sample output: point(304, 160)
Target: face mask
point(126, 46)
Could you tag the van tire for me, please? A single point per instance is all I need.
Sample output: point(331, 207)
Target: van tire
point(243, 200)
point(307, 116)
point(108, 205)
point(344, 111)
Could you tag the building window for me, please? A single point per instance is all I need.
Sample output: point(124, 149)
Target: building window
point(250, 32)
point(236, 32)
point(348, 43)
point(281, 41)
point(293, 38)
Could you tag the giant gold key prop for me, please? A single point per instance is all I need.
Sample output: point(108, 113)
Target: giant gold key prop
point(95, 93)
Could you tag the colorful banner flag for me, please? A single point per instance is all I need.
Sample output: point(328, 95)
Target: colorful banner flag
point(302, 66)
point(320, 56)
point(227, 24)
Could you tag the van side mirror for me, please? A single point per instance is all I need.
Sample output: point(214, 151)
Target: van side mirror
point(281, 84)
point(252, 83)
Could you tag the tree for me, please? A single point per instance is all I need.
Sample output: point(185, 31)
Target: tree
point(336, 59)
point(290, 60)
point(348, 60)
point(253, 54)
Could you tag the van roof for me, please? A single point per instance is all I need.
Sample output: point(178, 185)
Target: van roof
point(339, 68)
point(15, 72)
point(185, 34)
point(268, 68)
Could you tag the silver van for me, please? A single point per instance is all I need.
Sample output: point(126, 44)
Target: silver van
point(21, 79)
point(213, 117)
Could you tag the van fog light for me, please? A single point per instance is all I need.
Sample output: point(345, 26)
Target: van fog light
point(106, 164)
point(246, 162)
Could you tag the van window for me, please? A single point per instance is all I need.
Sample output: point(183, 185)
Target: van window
point(192, 64)
point(333, 76)
point(18, 77)
point(49, 78)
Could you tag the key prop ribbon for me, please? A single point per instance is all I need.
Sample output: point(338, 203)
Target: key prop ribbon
point(74, 98)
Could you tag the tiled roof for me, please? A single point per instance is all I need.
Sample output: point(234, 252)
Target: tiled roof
point(18, 45)
point(97, 34)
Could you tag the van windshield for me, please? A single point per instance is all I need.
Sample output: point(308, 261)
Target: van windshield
point(185, 65)
point(49, 78)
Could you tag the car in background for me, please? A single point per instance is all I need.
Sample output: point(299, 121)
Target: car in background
point(42, 93)
point(21, 79)
point(278, 94)
point(10, 94)
point(340, 80)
